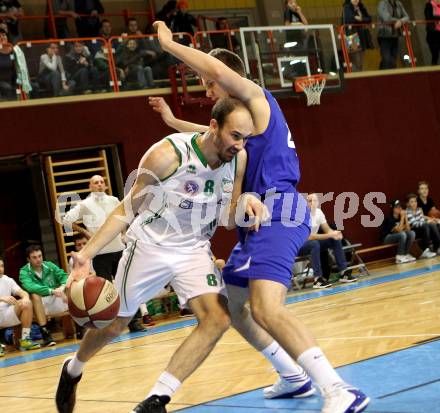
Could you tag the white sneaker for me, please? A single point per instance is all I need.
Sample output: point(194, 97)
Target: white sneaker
point(410, 258)
point(428, 254)
point(342, 398)
point(401, 259)
point(297, 386)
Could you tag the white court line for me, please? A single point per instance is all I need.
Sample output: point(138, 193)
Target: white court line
point(237, 343)
point(380, 337)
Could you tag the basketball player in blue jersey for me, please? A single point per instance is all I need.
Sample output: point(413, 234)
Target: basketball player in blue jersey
point(259, 267)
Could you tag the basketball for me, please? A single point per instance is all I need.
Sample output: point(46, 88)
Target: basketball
point(93, 302)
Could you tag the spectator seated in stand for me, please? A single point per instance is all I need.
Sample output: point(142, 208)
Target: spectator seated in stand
point(102, 65)
point(51, 74)
point(80, 69)
point(88, 26)
point(106, 29)
point(10, 11)
point(15, 311)
point(8, 75)
point(425, 202)
point(329, 239)
point(130, 60)
point(396, 229)
point(45, 282)
point(425, 228)
point(221, 40)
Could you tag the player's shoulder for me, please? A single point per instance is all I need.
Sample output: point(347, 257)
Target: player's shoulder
point(181, 135)
point(242, 157)
point(162, 157)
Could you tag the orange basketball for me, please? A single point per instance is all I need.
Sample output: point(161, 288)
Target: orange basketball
point(93, 302)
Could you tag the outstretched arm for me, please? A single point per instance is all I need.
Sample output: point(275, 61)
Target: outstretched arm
point(208, 66)
point(160, 106)
point(160, 161)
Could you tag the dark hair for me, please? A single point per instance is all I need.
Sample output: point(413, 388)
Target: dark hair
point(224, 107)
point(217, 23)
point(5, 32)
point(410, 196)
point(419, 184)
point(2, 259)
point(32, 248)
point(78, 236)
point(131, 19)
point(230, 59)
point(105, 21)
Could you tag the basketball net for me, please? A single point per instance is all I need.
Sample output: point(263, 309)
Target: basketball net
point(312, 86)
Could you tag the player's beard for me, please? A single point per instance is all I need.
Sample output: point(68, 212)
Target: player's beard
point(228, 156)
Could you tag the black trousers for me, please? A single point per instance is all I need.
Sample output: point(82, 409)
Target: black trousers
point(106, 265)
point(389, 50)
point(428, 233)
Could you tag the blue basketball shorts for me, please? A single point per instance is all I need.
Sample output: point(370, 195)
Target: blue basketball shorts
point(268, 254)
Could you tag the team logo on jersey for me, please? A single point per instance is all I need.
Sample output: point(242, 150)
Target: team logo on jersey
point(186, 204)
point(191, 187)
point(191, 169)
point(227, 185)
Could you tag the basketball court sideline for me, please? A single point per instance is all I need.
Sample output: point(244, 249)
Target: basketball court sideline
point(376, 329)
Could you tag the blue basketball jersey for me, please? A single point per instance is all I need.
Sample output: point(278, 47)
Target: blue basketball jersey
point(273, 172)
point(272, 159)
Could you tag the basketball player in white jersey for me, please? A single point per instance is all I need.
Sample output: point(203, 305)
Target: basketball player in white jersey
point(185, 184)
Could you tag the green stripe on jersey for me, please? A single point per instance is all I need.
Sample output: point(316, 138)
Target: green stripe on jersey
point(198, 151)
point(179, 154)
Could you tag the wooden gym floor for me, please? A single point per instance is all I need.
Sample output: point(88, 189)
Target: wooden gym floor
point(397, 308)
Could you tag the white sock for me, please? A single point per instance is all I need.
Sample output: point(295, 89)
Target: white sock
point(143, 308)
point(315, 363)
point(25, 333)
point(282, 362)
point(166, 385)
point(75, 367)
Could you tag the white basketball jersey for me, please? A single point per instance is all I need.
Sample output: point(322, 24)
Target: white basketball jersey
point(183, 209)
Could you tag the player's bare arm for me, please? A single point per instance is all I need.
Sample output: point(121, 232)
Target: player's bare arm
point(212, 69)
point(158, 162)
point(160, 106)
point(244, 203)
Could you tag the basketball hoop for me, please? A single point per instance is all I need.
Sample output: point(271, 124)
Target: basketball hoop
point(312, 86)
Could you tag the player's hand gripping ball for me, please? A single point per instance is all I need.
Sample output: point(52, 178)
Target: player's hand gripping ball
point(93, 302)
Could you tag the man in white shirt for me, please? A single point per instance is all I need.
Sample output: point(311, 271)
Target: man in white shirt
point(13, 311)
point(93, 211)
point(316, 243)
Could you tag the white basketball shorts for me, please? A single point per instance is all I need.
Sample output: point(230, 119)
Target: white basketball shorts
point(145, 269)
point(54, 305)
point(8, 317)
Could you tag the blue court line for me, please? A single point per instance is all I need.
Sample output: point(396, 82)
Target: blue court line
point(59, 351)
point(405, 381)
